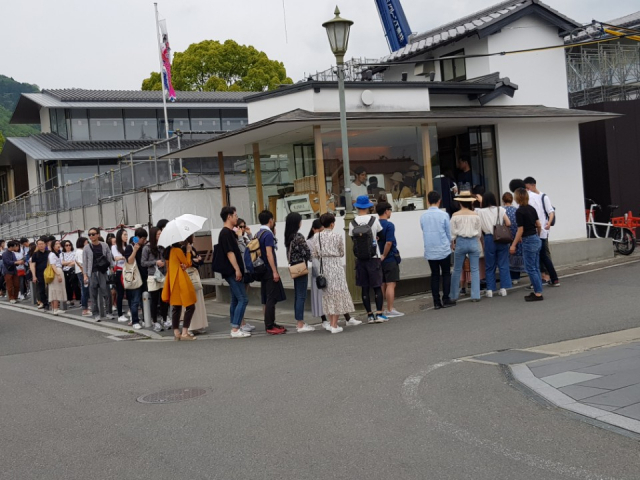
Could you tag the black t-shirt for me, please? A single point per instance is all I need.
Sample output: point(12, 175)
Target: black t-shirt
point(97, 253)
point(228, 242)
point(40, 259)
point(526, 217)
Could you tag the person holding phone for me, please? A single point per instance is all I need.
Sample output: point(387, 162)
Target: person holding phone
point(133, 254)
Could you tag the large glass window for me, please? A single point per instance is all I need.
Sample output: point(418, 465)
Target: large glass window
point(453, 69)
point(140, 124)
point(233, 119)
point(106, 124)
point(62, 123)
point(205, 120)
point(71, 172)
point(79, 125)
point(53, 120)
point(178, 120)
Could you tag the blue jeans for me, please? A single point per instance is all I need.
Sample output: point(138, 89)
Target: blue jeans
point(133, 297)
point(496, 255)
point(239, 301)
point(300, 285)
point(531, 251)
point(466, 246)
point(84, 292)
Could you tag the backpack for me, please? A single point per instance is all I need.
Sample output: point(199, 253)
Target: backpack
point(364, 247)
point(545, 210)
point(252, 257)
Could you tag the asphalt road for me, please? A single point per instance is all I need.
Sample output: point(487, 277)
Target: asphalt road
point(376, 402)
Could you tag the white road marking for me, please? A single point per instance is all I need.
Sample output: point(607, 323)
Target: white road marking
point(411, 396)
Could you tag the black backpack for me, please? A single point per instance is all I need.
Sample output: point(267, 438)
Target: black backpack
point(545, 210)
point(364, 246)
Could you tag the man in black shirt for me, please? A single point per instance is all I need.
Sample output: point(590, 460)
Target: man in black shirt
point(38, 265)
point(232, 270)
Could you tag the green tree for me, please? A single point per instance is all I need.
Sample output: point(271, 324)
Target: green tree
point(1, 141)
point(213, 66)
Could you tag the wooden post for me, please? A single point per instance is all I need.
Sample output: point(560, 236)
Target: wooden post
point(258, 169)
point(322, 186)
point(223, 186)
point(428, 167)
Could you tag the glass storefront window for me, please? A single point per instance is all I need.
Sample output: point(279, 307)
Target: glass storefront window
point(79, 125)
point(140, 124)
point(205, 120)
point(106, 124)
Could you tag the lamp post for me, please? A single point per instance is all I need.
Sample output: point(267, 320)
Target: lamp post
point(338, 32)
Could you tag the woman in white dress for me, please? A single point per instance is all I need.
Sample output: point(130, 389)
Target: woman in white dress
point(57, 291)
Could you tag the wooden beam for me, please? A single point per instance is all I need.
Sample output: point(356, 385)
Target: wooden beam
point(322, 184)
point(258, 169)
point(426, 155)
point(223, 185)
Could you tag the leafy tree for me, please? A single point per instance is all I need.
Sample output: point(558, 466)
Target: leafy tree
point(1, 141)
point(214, 66)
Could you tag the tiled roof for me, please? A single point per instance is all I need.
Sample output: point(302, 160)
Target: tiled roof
point(58, 144)
point(476, 23)
point(82, 95)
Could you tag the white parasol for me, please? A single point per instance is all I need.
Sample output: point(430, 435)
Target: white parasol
point(179, 229)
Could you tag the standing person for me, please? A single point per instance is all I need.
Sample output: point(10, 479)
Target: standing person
point(133, 254)
point(111, 242)
point(244, 237)
point(38, 264)
point(199, 321)
point(516, 261)
point(436, 235)
point(359, 184)
point(117, 252)
point(11, 264)
point(96, 261)
point(329, 248)
point(298, 252)
point(546, 214)
point(57, 289)
point(271, 287)
point(24, 281)
point(20, 269)
point(178, 290)
point(390, 258)
point(153, 261)
point(232, 268)
point(496, 255)
point(465, 236)
point(162, 223)
point(84, 286)
point(68, 259)
point(529, 228)
point(368, 266)
point(3, 287)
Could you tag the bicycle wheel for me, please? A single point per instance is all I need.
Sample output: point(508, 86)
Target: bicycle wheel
point(624, 241)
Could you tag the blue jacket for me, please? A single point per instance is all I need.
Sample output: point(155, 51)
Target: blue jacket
point(9, 262)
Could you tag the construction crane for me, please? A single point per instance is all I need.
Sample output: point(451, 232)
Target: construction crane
point(394, 23)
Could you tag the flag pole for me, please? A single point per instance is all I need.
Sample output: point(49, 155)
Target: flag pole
point(164, 92)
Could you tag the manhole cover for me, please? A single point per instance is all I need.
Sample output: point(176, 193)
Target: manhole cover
point(172, 396)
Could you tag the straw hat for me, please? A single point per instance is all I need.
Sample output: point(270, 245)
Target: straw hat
point(397, 177)
point(465, 196)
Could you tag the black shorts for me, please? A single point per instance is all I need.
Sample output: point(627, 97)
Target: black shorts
point(390, 272)
point(369, 273)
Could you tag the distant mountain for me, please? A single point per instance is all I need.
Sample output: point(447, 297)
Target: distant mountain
point(10, 92)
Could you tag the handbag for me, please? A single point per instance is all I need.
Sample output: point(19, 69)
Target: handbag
point(131, 277)
point(49, 274)
point(299, 269)
point(501, 233)
point(321, 280)
point(158, 276)
point(194, 275)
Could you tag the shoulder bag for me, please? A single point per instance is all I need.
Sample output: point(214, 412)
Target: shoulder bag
point(501, 233)
point(321, 280)
point(131, 276)
point(194, 275)
point(49, 274)
point(299, 269)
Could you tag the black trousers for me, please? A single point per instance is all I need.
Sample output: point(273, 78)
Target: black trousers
point(438, 266)
point(42, 290)
point(188, 315)
point(545, 260)
point(271, 294)
point(72, 285)
point(156, 299)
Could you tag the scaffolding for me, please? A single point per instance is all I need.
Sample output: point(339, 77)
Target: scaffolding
point(603, 72)
point(354, 70)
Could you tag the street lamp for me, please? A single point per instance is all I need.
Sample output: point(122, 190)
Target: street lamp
point(338, 32)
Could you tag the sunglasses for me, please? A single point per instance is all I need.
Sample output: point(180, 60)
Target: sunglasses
point(242, 226)
point(93, 234)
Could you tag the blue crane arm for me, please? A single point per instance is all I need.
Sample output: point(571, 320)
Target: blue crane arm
point(395, 24)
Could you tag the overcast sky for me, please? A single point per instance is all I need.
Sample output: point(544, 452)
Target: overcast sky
point(111, 44)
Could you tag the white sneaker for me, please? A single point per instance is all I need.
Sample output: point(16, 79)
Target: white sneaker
point(394, 313)
point(123, 319)
point(239, 334)
point(503, 292)
point(110, 316)
point(157, 327)
point(21, 297)
point(336, 330)
point(489, 293)
point(352, 322)
point(56, 312)
point(381, 318)
point(248, 328)
point(326, 325)
point(515, 282)
point(12, 302)
point(128, 314)
point(137, 326)
point(96, 318)
point(306, 328)
point(168, 325)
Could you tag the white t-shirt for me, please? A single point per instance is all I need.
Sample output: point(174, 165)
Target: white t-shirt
point(535, 200)
point(357, 190)
point(67, 257)
point(115, 253)
point(19, 256)
point(489, 218)
point(79, 253)
point(375, 228)
point(55, 260)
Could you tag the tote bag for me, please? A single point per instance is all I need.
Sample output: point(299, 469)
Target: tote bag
point(131, 276)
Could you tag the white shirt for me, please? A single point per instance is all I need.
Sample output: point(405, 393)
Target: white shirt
point(535, 200)
point(78, 252)
point(67, 257)
point(115, 253)
point(375, 228)
point(357, 190)
point(467, 226)
point(55, 260)
point(19, 256)
point(489, 218)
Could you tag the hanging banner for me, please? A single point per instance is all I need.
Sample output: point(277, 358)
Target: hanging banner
point(165, 52)
point(395, 24)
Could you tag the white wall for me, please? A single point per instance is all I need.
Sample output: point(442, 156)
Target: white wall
point(541, 76)
point(550, 153)
point(271, 106)
point(45, 120)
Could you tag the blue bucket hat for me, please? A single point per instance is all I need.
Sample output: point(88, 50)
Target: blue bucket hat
point(363, 202)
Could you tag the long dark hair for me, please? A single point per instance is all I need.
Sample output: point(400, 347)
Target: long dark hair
point(316, 225)
point(53, 250)
point(291, 228)
point(489, 200)
point(109, 237)
point(119, 242)
point(153, 241)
